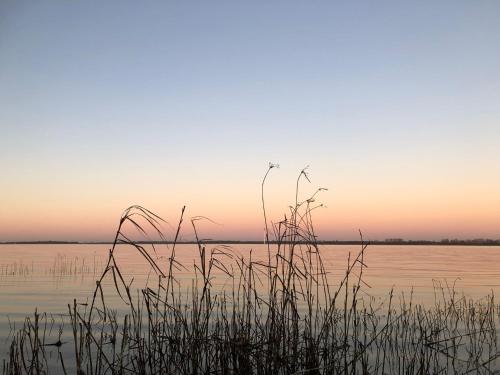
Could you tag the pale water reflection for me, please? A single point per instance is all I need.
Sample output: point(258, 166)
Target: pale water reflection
point(48, 277)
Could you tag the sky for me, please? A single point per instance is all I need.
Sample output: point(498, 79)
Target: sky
point(393, 105)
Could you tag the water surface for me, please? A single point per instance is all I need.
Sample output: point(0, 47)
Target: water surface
point(49, 277)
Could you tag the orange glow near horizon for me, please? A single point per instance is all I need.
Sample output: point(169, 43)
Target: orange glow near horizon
point(379, 213)
point(174, 104)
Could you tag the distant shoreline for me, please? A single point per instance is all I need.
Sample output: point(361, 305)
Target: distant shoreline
point(475, 242)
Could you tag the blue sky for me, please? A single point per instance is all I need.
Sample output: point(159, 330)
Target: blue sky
point(169, 103)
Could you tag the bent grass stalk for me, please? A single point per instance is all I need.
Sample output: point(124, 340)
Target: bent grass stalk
point(243, 315)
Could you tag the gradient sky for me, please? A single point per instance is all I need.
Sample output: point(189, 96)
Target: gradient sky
point(394, 105)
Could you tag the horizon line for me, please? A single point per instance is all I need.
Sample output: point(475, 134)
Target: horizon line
point(388, 241)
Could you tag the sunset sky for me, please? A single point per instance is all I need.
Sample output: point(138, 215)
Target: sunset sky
point(395, 106)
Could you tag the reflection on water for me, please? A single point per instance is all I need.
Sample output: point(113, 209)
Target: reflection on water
point(48, 277)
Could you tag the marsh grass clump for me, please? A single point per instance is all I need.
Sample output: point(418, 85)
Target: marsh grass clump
point(281, 314)
point(64, 266)
point(61, 266)
point(16, 269)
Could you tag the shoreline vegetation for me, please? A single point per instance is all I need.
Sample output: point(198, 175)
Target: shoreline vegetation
point(397, 241)
point(239, 315)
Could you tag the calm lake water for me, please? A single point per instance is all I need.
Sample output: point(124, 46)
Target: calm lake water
point(49, 277)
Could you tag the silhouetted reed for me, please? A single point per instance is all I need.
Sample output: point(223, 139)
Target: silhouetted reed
point(284, 315)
